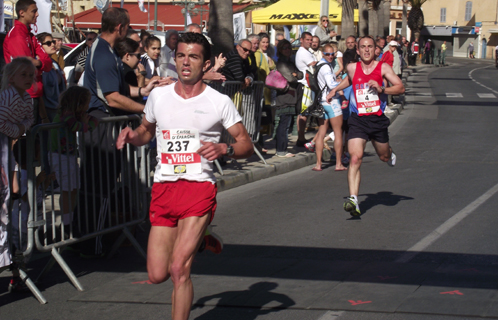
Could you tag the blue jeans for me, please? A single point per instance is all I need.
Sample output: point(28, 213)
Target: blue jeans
point(282, 132)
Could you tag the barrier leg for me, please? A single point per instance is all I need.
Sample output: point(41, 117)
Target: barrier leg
point(218, 166)
point(32, 287)
point(66, 269)
point(259, 154)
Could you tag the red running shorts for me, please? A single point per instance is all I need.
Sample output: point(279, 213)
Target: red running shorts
point(173, 201)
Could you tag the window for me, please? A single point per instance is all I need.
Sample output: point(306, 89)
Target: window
point(399, 25)
point(443, 15)
point(468, 10)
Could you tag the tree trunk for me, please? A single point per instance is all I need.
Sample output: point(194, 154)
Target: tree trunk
point(220, 26)
point(348, 18)
point(415, 22)
point(363, 22)
point(373, 21)
point(387, 16)
point(380, 20)
point(403, 21)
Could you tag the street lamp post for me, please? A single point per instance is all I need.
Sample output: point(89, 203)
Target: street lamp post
point(189, 5)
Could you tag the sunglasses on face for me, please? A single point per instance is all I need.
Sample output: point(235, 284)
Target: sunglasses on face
point(245, 50)
point(325, 21)
point(90, 39)
point(49, 43)
point(286, 48)
point(328, 53)
point(135, 55)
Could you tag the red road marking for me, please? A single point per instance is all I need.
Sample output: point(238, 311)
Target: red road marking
point(354, 303)
point(385, 277)
point(452, 292)
point(142, 282)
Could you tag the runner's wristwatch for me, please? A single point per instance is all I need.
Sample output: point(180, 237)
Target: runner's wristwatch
point(230, 151)
point(383, 89)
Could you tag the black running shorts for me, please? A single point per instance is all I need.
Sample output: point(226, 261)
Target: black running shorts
point(369, 127)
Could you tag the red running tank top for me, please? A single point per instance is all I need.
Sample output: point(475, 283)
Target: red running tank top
point(368, 101)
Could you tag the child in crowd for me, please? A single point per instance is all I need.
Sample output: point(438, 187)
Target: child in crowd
point(150, 59)
point(16, 116)
point(63, 153)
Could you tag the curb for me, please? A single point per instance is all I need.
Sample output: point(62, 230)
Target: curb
point(280, 166)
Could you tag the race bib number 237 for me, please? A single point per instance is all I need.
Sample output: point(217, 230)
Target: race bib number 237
point(178, 152)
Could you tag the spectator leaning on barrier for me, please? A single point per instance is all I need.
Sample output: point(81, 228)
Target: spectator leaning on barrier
point(237, 66)
point(20, 42)
point(167, 57)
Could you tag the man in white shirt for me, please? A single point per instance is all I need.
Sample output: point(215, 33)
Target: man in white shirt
point(304, 60)
point(187, 118)
point(167, 66)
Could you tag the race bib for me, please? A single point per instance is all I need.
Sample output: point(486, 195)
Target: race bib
point(368, 101)
point(178, 152)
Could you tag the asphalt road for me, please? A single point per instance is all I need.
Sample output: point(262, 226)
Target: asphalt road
point(291, 252)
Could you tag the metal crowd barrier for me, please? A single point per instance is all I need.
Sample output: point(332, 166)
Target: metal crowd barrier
point(111, 195)
point(249, 103)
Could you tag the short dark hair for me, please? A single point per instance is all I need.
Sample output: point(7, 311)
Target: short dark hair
point(23, 5)
point(41, 36)
point(125, 46)
point(131, 32)
point(191, 37)
point(367, 37)
point(151, 39)
point(113, 17)
point(304, 34)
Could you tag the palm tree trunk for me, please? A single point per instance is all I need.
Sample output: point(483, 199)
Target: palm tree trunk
point(363, 21)
point(348, 17)
point(220, 26)
point(403, 20)
point(380, 20)
point(372, 22)
point(387, 16)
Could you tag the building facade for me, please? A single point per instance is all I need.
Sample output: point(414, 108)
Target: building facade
point(460, 23)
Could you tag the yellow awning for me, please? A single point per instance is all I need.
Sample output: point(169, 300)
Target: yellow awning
point(298, 12)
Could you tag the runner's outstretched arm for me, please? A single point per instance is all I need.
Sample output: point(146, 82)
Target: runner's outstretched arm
point(138, 137)
point(397, 85)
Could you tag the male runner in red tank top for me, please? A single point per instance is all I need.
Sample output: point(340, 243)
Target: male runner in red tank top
point(367, 120)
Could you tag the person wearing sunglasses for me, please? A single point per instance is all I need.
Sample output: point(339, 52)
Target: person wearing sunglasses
point(54, 83)
point(134, 72)
point(237, 67)
point(58, 55)
point(325, 31)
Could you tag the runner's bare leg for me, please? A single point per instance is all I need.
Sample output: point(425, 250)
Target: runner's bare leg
point(356, 148)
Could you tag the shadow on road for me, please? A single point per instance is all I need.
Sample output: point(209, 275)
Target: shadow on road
point(262, 291)
point(385, 198)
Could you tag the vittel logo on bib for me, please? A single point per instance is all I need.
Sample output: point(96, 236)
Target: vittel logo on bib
point(294, 16)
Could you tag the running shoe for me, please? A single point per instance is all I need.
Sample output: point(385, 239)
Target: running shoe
point(392, 161)
point(352, 207)
point(214, 243)
point(17, 285)
point(310, 146)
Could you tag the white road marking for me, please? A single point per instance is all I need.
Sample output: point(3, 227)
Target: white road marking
point(454, 95)
point(331, 315)
point(486, 95)
point(482, 85)
point(446, 226)
point(427, 94)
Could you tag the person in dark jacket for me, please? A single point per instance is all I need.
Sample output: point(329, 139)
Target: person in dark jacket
point(286, 101)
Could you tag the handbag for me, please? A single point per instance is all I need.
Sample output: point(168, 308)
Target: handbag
point(275, 80)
